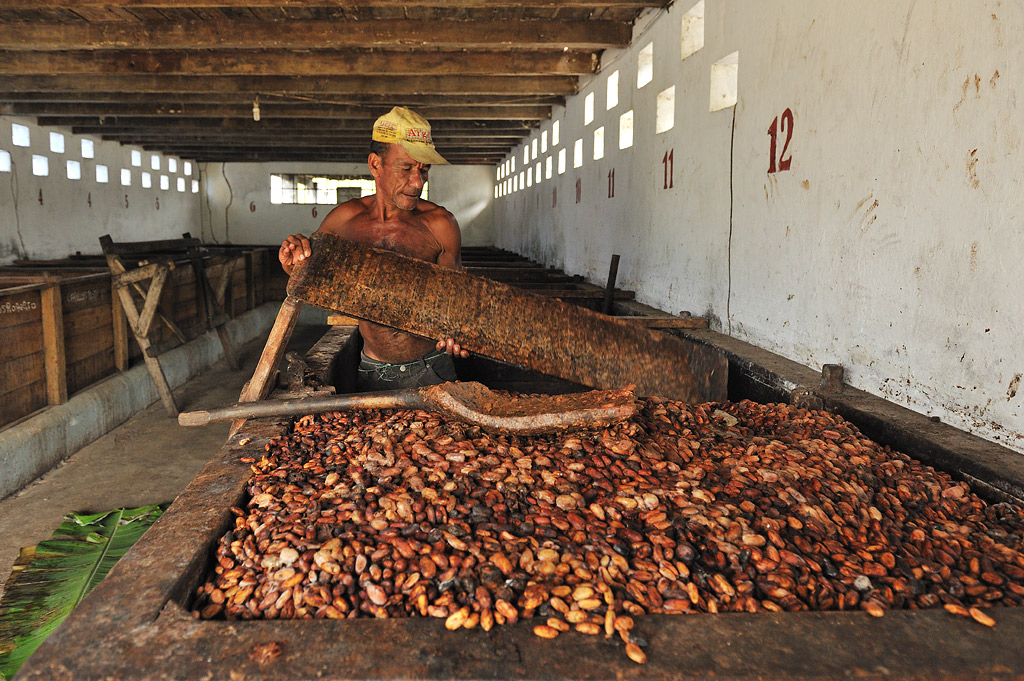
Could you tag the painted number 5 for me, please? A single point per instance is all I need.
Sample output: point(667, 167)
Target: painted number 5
point(784, 127)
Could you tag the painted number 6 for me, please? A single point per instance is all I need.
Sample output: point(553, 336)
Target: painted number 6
point(784, 161)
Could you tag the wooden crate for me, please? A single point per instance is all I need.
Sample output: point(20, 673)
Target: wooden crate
point(23, 384)
point(88, 329)
point(86, 320)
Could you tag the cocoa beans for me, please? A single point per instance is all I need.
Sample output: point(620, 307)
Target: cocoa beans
point(684, 509)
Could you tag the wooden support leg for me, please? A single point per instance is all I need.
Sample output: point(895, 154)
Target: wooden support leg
point(260, 385)
point(121, 352)
point(53, 346)
point(152, 364)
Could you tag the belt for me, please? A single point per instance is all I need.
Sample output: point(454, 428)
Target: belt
point(391, 371)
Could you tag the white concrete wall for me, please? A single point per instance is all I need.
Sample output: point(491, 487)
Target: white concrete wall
point(52, 216)
point(237, 207)
point(893, 244)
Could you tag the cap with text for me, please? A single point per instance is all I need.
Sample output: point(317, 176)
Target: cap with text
point(410, 130)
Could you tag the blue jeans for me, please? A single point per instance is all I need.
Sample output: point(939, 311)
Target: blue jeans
point(434, 367)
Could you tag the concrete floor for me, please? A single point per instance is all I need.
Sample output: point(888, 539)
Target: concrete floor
point(147, 460)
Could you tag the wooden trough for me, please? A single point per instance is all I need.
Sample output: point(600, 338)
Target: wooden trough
point(136, 623)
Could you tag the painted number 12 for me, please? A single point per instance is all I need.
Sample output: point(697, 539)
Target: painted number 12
point(777, 128)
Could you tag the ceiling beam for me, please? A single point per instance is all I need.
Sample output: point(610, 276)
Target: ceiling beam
point(305, 4)
point(248, 34)
point(291, 158)
point(142, 137)
point(312, 149)
point(391, 86)
point(164, 98)
point(296, 63)
point(190, 124)
point(269, 110)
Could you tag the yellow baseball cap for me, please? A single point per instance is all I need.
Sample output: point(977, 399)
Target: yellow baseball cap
point(411, 131)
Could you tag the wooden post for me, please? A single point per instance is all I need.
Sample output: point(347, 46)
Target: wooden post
point(609, 287)
point(53, 345)
point(261, 383)
point(121, 355)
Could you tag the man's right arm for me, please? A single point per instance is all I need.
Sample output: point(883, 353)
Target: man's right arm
point(294, 250)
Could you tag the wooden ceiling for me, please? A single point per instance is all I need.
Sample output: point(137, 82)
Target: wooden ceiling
point(182, 76)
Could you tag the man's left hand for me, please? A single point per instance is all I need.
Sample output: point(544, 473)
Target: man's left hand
point(452, 348)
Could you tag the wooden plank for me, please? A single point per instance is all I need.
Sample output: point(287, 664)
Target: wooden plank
point(666, 322)
point(119, 327)
point(309, 85)
point(87, 371)
point(86, 345)
point(20, 371)
point(272, 110)
point(22, 402)
point(576, 294)
point(20, 305)
point(84, 295)
point(152, 300)
point(262, 382)
point(53, 345)
point(249, 34)
point(23, 339)
point(504, 322)
point(303, 4)
point(87, 321)
point(297, 63)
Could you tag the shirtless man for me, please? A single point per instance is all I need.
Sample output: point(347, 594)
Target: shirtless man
point(396, 219)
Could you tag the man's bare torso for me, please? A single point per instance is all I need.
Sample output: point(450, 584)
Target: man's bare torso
point(412, 233)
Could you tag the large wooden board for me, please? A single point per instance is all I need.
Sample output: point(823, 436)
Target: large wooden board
point(505, 323)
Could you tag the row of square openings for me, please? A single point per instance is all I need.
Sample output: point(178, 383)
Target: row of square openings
point(41, 168)
point(723, 72)
point(21, 136)
point(509, 182)
point(723, 94)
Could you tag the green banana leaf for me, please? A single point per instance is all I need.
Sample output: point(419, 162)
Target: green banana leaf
point(50, 579)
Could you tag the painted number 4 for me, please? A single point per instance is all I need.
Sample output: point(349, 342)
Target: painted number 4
point(777, 128)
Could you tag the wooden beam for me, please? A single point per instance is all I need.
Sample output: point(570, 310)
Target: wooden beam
point(392, 86)
point(359, 137)
point(271, 111)
point(182, 123)
point(203, 97)
point(249, 34)
point(297, 63)
point(468, 146)
point(284, 155)
point(53, 345)
point(256, 146)
point(303, 4)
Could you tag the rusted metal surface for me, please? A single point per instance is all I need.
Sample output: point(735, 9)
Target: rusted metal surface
point(469, 402)
point(505, 323)
point(135, 625)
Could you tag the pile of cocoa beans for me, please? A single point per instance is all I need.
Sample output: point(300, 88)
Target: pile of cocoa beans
point(683, 509)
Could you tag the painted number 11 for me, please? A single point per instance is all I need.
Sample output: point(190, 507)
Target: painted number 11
point(670, 168)
point(777, 128)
